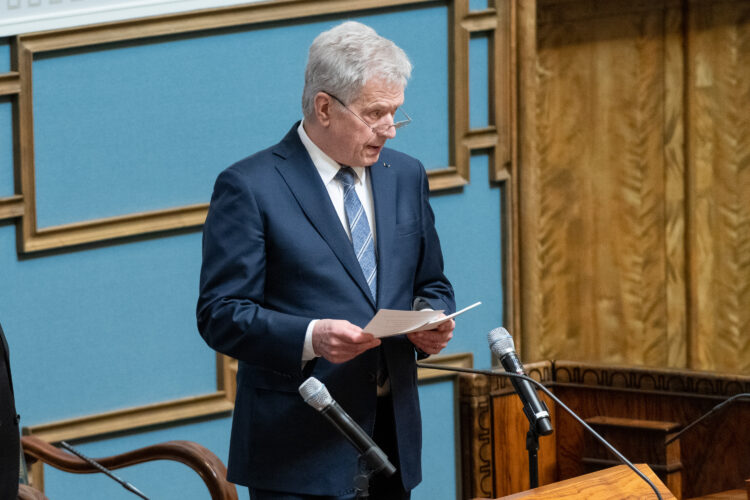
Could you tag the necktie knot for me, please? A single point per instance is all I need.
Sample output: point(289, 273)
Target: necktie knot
point(346, 176)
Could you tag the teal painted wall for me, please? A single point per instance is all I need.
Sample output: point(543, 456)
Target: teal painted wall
point(140, 126)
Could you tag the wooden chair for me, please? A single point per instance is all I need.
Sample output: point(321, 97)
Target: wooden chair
point(200, 459)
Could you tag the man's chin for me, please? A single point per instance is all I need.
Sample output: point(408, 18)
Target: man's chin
point(372, 157)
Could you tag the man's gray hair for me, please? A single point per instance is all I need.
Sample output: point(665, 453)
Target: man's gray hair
point(343, 59)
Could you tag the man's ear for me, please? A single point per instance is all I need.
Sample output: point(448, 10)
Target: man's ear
point(323, 103)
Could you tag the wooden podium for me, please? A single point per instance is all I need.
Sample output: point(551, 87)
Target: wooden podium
point(618, 482)
point(637, 408)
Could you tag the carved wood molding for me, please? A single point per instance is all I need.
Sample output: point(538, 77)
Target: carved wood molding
point(645, 379)
point(476, 436)
point(476, 413)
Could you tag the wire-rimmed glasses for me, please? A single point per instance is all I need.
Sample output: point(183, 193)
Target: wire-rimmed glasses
point(383, 128)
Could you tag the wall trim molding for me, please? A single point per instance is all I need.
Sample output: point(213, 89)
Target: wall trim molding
point(38, 16)
point(208, 405)
point(214, 405)
point(11, 207)
point(10, 83)
point(497, 139)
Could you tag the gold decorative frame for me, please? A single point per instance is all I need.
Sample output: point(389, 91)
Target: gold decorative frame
point(497, 139)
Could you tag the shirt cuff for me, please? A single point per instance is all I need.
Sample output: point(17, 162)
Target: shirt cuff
point(308, 352)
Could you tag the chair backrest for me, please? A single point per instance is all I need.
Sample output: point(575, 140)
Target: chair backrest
point(197, 457)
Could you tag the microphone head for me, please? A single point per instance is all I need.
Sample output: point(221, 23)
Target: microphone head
point(501, 343)
point(315, 393)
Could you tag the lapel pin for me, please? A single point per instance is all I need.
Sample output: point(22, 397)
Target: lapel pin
point(386, 165)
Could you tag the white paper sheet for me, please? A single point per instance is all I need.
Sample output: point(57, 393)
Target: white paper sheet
point(389, 322)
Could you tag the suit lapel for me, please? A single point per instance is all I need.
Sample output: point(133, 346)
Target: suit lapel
point(299, 173)
point(383, 181)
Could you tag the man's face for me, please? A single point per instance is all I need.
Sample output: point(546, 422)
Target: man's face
point(352, 142)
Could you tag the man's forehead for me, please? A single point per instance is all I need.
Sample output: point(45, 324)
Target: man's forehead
point(376, 90)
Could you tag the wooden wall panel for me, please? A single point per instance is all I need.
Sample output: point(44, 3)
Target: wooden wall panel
point(719, 184)
point(598, 229)
point(634, 167)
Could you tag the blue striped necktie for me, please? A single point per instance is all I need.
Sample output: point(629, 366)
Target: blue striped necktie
point(359, 227)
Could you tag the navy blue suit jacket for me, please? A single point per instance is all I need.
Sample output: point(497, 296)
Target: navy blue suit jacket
point(275, 256)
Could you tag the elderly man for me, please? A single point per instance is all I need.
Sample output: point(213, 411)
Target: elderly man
point(303, 242)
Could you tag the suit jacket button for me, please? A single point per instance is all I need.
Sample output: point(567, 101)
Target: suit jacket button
point(372, 377)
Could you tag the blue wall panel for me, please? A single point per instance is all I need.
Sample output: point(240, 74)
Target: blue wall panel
point(478, 4)
point(103, 329)
point(4, 55)
point(479, 80)
point(135, 127)
point(469, 229)
point(6, 147)
point(142, 126)
point(439, 434)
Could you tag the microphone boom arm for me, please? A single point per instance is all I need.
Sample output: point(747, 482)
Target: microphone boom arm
point(708, 414)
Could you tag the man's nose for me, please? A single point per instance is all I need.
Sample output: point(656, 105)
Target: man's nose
point(390, 132)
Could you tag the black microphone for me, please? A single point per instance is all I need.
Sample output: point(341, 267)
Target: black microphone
point(514, 376)
point(501, 345)
point(316, 395)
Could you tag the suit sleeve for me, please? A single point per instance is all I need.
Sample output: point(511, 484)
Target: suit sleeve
point(230, 313)
point(431, 288)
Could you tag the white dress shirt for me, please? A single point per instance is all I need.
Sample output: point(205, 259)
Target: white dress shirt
point(328, 168)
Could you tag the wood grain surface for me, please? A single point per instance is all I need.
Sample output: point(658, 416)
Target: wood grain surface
point(634, 182)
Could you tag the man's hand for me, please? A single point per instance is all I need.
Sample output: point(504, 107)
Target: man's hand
point(338, 341)
point(433, 341)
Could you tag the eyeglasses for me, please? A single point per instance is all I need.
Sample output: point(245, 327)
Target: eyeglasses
point(381, 129)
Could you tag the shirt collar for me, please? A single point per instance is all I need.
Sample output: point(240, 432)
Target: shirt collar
point(327, 167)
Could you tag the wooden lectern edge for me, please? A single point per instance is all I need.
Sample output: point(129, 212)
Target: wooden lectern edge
point(598, 485)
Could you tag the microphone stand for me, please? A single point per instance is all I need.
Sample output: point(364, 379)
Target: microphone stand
point(362, 478)
point(611, 448)
point(532, 446)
